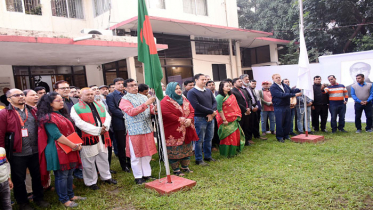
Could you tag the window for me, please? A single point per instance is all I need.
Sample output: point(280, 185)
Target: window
point(209, 46)
point(158, 4)
point(251, 56)
point(114, 70)
point(67, 8)
point(101, 6)
point(31, 7)
point(197, 7)
point(219, 72)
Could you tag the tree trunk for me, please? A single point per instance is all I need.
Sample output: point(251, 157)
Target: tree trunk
point(357, 30)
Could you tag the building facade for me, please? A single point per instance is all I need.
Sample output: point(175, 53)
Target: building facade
point(44, 41)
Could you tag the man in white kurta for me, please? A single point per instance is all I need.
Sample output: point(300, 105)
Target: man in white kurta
point(94, 129)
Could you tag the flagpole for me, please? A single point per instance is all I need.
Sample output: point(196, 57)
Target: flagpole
point(163, 140)
point(304, 95)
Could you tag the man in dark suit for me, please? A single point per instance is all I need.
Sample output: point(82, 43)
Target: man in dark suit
point(113, 100)
point(244, 102)
point(281, 94)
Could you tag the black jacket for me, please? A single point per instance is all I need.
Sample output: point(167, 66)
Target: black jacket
point(319, 97)
point(241, 100)
point(117, 120)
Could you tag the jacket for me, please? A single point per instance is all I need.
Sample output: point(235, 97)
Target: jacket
point(281, 98)
point(117, 116)
point(9, 123)
point(241, 100)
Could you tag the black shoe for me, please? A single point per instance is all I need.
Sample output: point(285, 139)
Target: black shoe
point(292, 134)
point(111, 181)
point(287, 138)
point(209, 159)
point(126, 169)
point(94, 187)
point(300, 132)
point(281, 140)
point(25, 206)
point(42, 204)
point(201, 163)
point(310, 132)
point(112, 171)
point(343, 131)
point(146, 178)
point(247, 143)
point(325, 131)
point(139, 181)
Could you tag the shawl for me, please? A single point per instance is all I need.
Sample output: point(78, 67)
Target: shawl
point(176, 133)
point(85, 113)
point(67, 161)
point(170, 91)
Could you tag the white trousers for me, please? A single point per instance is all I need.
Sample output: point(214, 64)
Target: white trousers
point(89, 168)
point(140, 165)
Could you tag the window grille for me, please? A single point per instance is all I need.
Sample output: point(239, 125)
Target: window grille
point(14, 5)
point(197, 7)
point(67, 8)
point(158, 4)
point(32, 7)
point(101, 6)
point(209, 46)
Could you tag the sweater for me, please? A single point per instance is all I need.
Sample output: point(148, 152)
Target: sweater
point(362, 92)
point(203, 102)
point(337, 94)
point(319, 97)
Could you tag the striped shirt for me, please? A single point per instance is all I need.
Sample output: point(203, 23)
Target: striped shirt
point(337, 94)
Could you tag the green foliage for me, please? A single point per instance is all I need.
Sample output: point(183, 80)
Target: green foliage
point(363, 44)
point(291, 55)
point(322, 21)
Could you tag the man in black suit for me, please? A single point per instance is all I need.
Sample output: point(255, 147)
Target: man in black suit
point(113, 100)
point(244, 102)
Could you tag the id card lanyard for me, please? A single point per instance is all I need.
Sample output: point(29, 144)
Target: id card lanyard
point(24, 130)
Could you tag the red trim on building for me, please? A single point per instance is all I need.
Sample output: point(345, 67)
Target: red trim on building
point(69, 41)
point(190, 23)
point(274, 40)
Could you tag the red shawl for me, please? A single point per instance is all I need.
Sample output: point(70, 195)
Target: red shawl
point(175, 131)
point(67, 161)
point(231, 110)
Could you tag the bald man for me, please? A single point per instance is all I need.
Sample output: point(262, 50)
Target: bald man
point(94, 121)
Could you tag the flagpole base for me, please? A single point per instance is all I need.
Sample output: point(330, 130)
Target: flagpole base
point(303, 138)
point(164, 188)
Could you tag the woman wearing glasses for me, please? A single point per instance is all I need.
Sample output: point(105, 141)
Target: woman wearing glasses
point(54, 126)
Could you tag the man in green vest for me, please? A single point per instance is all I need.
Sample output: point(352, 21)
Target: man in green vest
point(94, 122)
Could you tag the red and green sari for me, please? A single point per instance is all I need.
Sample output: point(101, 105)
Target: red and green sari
point(232, 138)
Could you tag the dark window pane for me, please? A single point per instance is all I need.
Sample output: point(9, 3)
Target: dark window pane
point(122, 63)
point(263, 54)
point(253, 56)
point(178, 46)
point(80, 81)
point(79, 70)
point(123, 74)
point(109, 66)
point(219, 72)
point(20, 70)
point(110, 76)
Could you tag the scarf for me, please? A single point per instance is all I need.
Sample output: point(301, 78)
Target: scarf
point(170, 91)
point(67, 161)
point(85, 113)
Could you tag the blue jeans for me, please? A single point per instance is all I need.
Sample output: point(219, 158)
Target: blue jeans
point(64, 185)
point(301, 120)
point(368, 113)
point(292, 112)
point(205, 132)
point(272, 122)
point(339, 110)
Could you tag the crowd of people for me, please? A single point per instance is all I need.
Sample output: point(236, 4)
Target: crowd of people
point(38, 130)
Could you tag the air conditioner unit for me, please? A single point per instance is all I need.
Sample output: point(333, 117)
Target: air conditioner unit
point(97, 31)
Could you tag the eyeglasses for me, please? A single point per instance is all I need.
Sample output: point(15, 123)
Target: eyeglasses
point(17, 95)
point(134, 85)
point(65, 88)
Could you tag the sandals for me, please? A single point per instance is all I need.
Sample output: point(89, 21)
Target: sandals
point(186, 170)
point(178, 173)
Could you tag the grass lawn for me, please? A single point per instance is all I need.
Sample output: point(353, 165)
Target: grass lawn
point(335, 174)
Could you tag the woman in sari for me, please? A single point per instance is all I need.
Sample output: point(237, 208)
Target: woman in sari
point(178, 121)
point(54, 126)
point(232, 139)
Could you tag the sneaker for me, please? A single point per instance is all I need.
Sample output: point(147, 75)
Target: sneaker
point(343, 131)
point(359, 131)
point(369, 131)
point(201, 163)
point(211, 159)
point(268, 132)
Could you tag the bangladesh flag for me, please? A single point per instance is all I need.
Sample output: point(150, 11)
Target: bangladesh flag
point(147, 51)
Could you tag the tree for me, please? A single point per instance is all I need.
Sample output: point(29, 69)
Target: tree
point(330, 25)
